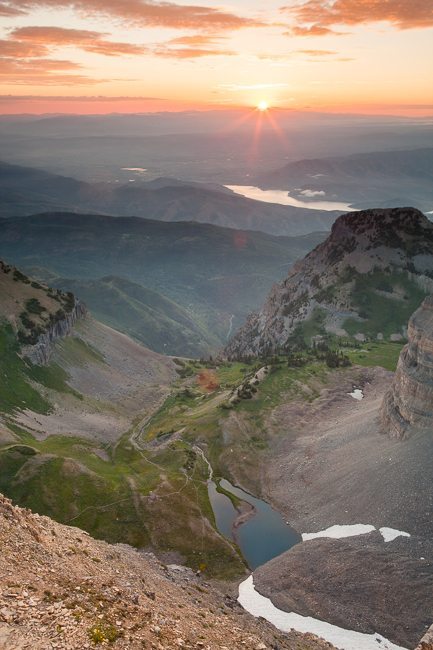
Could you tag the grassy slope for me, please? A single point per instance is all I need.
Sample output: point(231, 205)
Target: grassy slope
point(105, 489)
point(384, 302)
point(202, 417)
point(386, 312)
point(149, 317)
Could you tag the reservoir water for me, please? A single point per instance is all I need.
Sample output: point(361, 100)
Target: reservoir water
point(283, 198)
point(263, 536)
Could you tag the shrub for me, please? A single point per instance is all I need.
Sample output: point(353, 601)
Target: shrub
point(33, 306)
point(102, 632)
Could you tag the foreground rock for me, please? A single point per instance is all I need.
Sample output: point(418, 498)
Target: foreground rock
point(359, 583)
point(409, 402)
point(59, 588)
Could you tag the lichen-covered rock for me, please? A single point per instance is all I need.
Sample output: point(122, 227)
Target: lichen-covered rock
point(380, 245)
point(409, 402)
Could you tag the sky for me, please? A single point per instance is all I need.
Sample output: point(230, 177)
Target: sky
point(103, 56)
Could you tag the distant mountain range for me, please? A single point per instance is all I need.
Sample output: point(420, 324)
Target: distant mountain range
point(24, 191)
point(212, 146)
point(197, 280)
point(383, 179)
point(364, 281)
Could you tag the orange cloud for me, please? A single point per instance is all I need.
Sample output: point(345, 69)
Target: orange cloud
point(40, 72)
point(317, 18)
point(317, 52)
point(192, 47)
point(197, 40)
point(79, 98)
point(314, 30)
point(84, 39)
point(8, 10)
point(144, 12)
point(190, 52)
point(16, 49)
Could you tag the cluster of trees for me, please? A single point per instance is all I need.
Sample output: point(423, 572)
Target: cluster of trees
point(297, 354)
point(321, 351)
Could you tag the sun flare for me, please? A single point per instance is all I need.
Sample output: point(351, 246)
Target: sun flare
point(263, 106)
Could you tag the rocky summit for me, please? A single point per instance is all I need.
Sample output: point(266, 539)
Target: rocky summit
point(363, 282)
point(408, 403)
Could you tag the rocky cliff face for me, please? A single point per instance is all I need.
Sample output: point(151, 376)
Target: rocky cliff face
point(408, 405)
point(40, 353)
point(38, 314)
point(372, 259)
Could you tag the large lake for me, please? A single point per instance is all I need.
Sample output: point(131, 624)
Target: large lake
point(283, 198)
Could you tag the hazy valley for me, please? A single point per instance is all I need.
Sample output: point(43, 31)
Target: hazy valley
point(219, 409)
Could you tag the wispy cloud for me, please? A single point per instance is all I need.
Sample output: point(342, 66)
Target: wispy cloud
point(262, 86)
point(193, 47)
point(45, 72)
point(190, 52)
point(318, 53)
point(78, 98)
point(7, 9)
point(313, 30)
point(316, 18)
point(90, 41)
point(16, 49)
point(142, 12)
point(197, 40)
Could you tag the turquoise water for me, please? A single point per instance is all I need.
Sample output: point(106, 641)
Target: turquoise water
point(263, 536)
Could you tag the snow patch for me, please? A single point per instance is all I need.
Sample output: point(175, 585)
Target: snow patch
point(389, 534)
point(357, 394)
point(259, 605)
point(339, 532)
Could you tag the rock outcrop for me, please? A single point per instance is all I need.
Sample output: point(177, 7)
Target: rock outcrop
point(426, 642)
point(37, 314)
point(371, 259)
point(40, 353)
point(61, 589)
point(409, 402)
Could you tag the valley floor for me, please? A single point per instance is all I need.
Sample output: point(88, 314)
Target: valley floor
point(295, 438)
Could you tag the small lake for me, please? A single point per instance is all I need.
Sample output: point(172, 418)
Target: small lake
point(263, 536)
point(283, 198)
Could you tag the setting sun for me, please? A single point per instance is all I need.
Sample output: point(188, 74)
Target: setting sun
point(263, 105)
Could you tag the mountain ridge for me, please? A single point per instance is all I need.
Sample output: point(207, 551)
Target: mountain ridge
point(372, 259)
point(209, 271)
point(382, 178)
point(26, 190)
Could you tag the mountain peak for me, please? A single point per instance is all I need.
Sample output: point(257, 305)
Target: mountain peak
point(378, 224)
point(364, 281)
